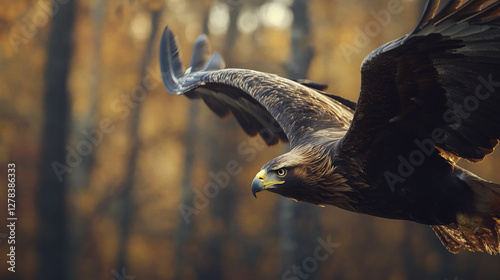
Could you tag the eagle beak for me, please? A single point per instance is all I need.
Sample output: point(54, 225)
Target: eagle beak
point(260, 182)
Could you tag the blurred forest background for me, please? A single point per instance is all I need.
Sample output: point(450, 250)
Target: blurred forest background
point(116, 179)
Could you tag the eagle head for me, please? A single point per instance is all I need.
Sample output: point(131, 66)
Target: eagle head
point(303, 174)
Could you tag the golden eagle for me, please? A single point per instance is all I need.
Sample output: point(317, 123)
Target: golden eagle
point(427, 99)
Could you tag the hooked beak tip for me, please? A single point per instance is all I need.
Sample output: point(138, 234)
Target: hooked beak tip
point(257, 186)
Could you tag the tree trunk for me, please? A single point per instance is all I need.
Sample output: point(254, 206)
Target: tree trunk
point(216, 144)
point(299, 223)
point(79, 179)
point(302, 51)
point(52, 243)
point(185, 227)
point(126, 200)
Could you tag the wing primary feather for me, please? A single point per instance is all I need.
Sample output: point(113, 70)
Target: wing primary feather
point(170, 64)
point(449, 8)
point(458, 10)
point(216, 62)
point(201, 52)
point(483, 12)
point(428, 14)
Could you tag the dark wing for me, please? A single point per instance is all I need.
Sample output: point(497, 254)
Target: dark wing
point(441, 82)
point(272, 106)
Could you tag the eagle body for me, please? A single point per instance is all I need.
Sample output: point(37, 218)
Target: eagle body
point(429, 195)
point(427, 100)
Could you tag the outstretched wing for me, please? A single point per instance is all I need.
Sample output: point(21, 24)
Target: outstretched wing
point(272, 106)
point(440, 83)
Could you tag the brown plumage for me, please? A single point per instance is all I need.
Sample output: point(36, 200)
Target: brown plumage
point(427, 100)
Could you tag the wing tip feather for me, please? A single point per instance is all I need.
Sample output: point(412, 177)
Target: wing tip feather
point(201, 51)
point(170, 64)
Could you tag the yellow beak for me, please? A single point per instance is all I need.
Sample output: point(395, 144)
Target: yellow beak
point(260, 183)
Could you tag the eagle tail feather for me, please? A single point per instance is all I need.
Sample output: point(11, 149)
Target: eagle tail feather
point(478, 230)
point(486, 239)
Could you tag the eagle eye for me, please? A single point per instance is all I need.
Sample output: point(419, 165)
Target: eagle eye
point(281, 172)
